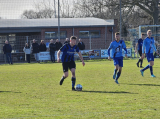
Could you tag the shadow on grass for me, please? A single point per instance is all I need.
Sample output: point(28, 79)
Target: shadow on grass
point(9, 92)
point(116, 92)
point(145, 84)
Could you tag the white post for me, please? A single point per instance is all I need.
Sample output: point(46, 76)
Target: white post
point(90, 41)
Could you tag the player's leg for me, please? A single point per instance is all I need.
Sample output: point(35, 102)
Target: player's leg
point(141, 60)
point(151, 63)
point(73, 79)
point(145, 68)
point(120, 65)
point(72, 67)
point(115, 60)
point(65, 70)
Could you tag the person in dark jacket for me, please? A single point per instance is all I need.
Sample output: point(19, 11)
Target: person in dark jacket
point(7, 49)
point(66, 41)
point(81, 45)
point(58, 45)
point(27, 50)
point(35, 50)
point(42, 46)
point(52, 49)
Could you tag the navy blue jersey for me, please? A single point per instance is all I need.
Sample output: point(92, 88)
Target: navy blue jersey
point(68, 52)
point(140, 43)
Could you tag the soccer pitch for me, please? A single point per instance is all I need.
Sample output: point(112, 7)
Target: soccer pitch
point(32, 91)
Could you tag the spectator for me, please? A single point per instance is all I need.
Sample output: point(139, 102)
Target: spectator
point(42, 46)
point(81, 45)
point(52, 49)
point(66, 41)
point(58, 45)
point(35, 50)
point(7, 49)
point(27, 50)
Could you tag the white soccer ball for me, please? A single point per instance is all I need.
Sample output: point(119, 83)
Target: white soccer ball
point(79, 87)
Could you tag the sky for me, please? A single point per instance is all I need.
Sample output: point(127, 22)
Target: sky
point(12, 9)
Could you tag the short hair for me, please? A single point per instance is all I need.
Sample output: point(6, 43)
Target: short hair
point(117, 33)
point(149, 31)
point(142, 34)
point(51, 40)
point(42, 40)
point(73, 37)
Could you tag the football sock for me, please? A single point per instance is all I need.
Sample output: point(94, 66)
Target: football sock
point(62, 79)
point(73, 82)
point(145, 68)
point(151, 70)
point(141, 62)
point(118, 75)
point(115, 71)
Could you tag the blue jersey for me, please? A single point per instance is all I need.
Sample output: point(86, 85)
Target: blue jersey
point(148, 45)
point(68, 52)
point(117, 48)
point(140, 43)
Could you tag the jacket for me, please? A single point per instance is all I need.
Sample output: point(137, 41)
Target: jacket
point(27, 50)
point(81, 45)
point(7, 48)
point(52, 47)
point(42, 48)
point(58, 45)
point(35, 48)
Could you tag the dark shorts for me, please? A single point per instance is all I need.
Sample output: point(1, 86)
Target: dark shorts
point(150, 57)
point(118, 61)
point(140, 52)
point(68, 65)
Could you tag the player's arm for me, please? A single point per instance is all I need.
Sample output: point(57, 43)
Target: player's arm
point(136, 47)
point(155, 48)
point(143, 49)
point(109, 49)
point(80, 56)
point(58, 55)
point(125, 49)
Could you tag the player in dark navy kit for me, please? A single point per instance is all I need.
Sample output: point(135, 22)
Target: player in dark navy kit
point(117, 47)
point(149, 48)
point(139, 45)
point(69, 49)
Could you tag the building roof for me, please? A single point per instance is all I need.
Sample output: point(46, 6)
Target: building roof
point(64, 22)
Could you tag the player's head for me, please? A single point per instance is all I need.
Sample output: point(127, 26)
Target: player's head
point(80, 40)
point(142, 35)
point(149, 33)
point(34, 40)
point(57, 40)
point(67, 39)
point(42, 41)
point(6, 42)
point(117, 36)
point(51, 41)
point(73, 40)
point(26, 44)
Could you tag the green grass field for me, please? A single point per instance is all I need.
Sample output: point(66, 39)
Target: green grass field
point(32, 91)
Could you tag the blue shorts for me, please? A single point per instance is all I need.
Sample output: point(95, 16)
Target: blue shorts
point(118, 61)
point(150, 57)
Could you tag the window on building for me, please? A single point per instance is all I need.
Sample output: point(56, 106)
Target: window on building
point(87, 34)
point(83, 34)
point(49, 35)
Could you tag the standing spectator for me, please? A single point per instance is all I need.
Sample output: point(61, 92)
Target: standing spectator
point(27, 50)
point(35, 50)
point(52, 49)
point(58, 45)
point(42, 46)
point(7, 49)
point(66, 41)
point(81, 45)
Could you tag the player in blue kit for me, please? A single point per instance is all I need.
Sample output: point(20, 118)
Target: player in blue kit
point(69, 49)
point(117, 47)
point(139, 45)
point(148, 47)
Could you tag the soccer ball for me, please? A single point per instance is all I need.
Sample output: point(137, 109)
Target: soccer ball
point(79, 87)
